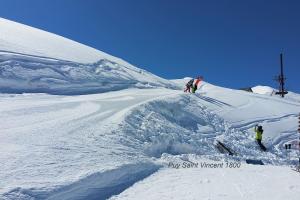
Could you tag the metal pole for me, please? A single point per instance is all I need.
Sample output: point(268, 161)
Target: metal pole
point(281, 79)
point(281, 76)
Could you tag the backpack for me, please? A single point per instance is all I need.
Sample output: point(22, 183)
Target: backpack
point(190, 83)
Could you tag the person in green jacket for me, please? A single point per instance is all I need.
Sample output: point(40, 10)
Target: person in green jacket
point(197, 82)
point(258, 136)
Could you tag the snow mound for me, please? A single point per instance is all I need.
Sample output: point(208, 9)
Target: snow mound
point(269, 91)
point(176, 125)
point(266, 90)
point(32, 60)
point(188, 124)
point(100, 185)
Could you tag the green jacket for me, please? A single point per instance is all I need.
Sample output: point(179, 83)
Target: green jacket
point(258, 135)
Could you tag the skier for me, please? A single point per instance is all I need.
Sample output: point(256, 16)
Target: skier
point(258, 136)
point(189, 85)
point(195, 86)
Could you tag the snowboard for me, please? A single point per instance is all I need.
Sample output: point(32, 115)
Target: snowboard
point(224, 149)
point(254, 162)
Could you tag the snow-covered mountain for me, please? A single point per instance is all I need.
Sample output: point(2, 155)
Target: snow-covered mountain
point(96, 146)
point(32, 60)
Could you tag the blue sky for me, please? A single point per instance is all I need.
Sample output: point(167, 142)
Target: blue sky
point(232, 43)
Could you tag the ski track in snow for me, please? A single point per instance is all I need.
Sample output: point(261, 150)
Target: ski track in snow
point(48, 136)
point(118, 132)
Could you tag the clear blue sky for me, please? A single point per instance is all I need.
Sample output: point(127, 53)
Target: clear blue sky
point(232, 43)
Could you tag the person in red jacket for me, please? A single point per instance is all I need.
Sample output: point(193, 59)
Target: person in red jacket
point(197, 82)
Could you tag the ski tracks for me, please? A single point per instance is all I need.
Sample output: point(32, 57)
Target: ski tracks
point(83, 137)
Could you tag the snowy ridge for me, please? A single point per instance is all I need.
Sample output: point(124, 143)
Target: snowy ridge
point(32, 60)
point(20, 38)
point(24, 73)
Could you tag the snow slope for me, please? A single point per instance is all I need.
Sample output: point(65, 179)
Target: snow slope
point(32, 60)
point(230, 116)
point(52, 146)
point(95, 146)
point(23, 39)
point(247, 182)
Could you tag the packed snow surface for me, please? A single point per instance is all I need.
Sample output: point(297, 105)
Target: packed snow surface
point(95, 146)
point(246, 182)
